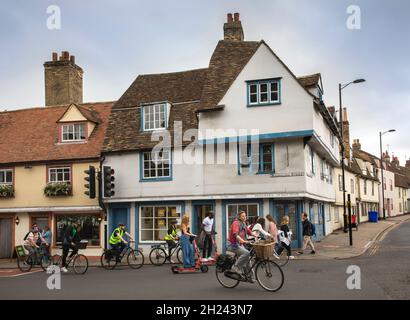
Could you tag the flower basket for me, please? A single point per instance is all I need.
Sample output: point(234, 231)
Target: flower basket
point(57, 189)
point(6, 191)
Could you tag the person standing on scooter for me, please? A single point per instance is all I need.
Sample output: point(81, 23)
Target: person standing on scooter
point(207, 229)
point(187, 248)
point(238, 237)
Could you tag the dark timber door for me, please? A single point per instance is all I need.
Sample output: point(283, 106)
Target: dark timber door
point(6, 241)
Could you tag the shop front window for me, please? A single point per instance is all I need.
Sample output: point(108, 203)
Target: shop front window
point(89, 227)
point(251, 209)
point(155, 220)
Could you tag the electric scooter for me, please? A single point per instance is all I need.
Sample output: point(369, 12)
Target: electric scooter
point(200, 265)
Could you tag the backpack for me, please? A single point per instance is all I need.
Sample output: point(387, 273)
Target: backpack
point(25, 237)
point(313, 227)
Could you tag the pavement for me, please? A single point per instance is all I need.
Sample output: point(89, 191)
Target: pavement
point(381, 273)
point(333, 246)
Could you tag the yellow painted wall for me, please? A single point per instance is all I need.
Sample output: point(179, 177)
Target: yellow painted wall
point(73, 114)
point(29, 185)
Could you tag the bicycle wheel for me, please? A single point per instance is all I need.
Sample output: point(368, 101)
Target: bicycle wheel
point(179, 255)
point(57, 260)
point(283, 258)
point(46, 261)
point(25, 263)
point(157, 256)
point(224, 280)
point(135, 259)
point(80, 264)
point(269, 275)
point(108, 260)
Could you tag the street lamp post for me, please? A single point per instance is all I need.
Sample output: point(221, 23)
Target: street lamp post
point(341, 87)
point(381, 167)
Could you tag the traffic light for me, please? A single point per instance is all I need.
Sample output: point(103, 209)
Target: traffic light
point(90, 185)
point(108, 174)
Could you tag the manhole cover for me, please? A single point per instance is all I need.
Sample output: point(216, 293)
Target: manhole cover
point(310, 270)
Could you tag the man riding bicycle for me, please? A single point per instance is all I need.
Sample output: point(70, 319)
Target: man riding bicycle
point(117, 242)
point(70, 240)
point(238, 234)
point(171, 237)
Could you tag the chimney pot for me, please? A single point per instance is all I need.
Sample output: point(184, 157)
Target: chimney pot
point(65, 55)
point(55, 56)
point(230, 18)
point(236, 16)
point(72, 59)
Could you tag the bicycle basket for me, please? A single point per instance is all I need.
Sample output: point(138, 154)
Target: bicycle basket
point(82, 245)
point(264, 249)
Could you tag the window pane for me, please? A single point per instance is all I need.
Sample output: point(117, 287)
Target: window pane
point(89, 227)
point(147, 235)
point(274, 96)
point(264, 97)
point(264, 88)
point(147, 212)
point(274, 86)
point(253, 98)
point(9, 176)
point(253, 88)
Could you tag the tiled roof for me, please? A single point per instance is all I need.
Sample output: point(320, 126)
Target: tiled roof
point(310, 80)
point(31, 135)
point(173, 87)
point(227, 61)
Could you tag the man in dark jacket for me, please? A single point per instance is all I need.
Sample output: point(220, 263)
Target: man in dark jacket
point(307, 234)
point(70, 240)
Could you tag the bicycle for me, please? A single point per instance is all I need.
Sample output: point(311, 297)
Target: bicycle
point(135, 257)
point(40, 257)
point(269, 275)
point(79, 262)
point(158, 254)
point(283, 257)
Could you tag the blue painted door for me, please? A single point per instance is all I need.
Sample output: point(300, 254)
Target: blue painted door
point(117, 216)
point(317, 215)
point(288, 209)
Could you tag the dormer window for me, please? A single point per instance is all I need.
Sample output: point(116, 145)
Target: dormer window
point(154, 117)
point(264, 92)
point(72, 132)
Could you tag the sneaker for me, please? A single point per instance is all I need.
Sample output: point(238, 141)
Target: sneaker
point(291, 257)
point(204, 259)
point(300, 252)
point(64, 269)
point(236, 270)
point(313, 252)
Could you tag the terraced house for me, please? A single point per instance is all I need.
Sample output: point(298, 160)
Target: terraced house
point(44, 152)
point(246, 94)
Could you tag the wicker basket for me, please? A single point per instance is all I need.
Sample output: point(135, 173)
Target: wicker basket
point(82, 245)
point(264, 249)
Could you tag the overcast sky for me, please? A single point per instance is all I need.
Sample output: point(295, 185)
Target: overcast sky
point(114, 41)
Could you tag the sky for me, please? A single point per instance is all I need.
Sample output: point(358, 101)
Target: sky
point(114, 41)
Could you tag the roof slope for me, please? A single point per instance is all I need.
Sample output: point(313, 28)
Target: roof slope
point(173, 87)
point(227, 61)
point(31, 135)
point(310, 80)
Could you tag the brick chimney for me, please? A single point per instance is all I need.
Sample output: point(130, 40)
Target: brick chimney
point(356, 145)
point(63, 80)
point(233, 28)
point(346, 134)
point(386, 156)
point(395, 162)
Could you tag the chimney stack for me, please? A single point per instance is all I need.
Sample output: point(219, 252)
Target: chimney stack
point(395, 162)
point(356, 145)
point(408, 164)
point(386, 156)
point(63, 80)
point(233, 28)
point(346, 134)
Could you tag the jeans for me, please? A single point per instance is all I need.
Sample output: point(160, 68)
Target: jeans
point(207, 250)
point(66, 248)
point(243, 255)
point(118, 248)
point(187, 251)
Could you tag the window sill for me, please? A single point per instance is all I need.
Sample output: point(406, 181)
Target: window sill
point(156, 179)
point(263, 104)
point(263, 172)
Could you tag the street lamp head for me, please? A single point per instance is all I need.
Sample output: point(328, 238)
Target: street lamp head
point(392, 130)
point(359, 81)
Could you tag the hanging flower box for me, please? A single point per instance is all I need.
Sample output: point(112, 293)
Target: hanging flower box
point(6, 191)
point(53, 189)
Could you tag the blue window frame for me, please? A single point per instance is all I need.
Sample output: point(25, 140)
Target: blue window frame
point(264, 92)
point(267, 158)
point(262, 161)
point(156, 166)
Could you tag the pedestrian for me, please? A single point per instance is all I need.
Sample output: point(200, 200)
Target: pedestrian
point(46, 236)
point(187, 247)
point(308, 231)
point(285, 235)
point(259, 229)
point(207, 231)
point(272, 228)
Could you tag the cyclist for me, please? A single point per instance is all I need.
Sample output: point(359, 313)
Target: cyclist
point(117, 242)
point(31, 240)
point(70, 240)
point(238, 237)
point(171, 237)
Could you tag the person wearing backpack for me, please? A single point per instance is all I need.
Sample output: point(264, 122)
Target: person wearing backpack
point(308, 232)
